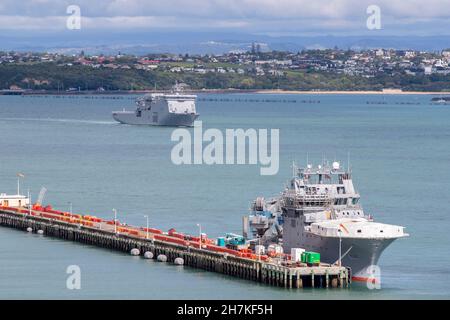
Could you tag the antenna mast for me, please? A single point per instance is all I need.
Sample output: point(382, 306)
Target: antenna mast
point(348, 161)
point(293, 169)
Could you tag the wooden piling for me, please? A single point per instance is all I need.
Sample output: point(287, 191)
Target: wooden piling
point(260, 271)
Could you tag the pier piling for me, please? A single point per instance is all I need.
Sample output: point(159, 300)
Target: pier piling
point(265, 272)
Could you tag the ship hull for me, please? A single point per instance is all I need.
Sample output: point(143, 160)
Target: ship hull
point(359, 254)
point(168, 119)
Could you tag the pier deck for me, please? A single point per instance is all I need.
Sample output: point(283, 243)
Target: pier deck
point(103, 235)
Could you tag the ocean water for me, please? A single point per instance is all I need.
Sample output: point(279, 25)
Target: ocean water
point(399, 152)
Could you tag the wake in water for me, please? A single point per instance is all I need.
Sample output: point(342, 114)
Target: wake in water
point(59, 120)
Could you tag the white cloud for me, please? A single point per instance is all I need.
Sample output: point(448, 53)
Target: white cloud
point(116, 23)
point(262, 16)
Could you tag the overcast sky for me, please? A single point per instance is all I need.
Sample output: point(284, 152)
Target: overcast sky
point(268, 17)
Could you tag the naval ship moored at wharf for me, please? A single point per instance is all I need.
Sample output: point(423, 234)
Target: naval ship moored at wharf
point(319, 211)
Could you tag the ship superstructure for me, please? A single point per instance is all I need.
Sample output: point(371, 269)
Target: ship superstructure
point(160, 109)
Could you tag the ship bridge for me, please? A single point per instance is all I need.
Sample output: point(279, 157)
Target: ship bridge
point(324, 182)
point(323, 174)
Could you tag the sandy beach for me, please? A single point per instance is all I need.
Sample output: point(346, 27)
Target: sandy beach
point(223, 91)
point(353, 92)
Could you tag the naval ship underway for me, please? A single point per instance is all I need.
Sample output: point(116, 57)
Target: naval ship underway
point(159, 109)
point(320, 211)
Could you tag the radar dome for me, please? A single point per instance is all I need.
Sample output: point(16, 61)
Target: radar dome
point(336, 165)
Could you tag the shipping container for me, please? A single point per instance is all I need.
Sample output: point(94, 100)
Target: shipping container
point(221, 242)
point(296, 254)
point(312, 257)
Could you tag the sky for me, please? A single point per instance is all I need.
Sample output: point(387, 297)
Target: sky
point(194, 25)
point(267, 17)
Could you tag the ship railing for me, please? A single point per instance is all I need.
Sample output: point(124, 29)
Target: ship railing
point(306, 194)
point(325, 231)
point(312, 197)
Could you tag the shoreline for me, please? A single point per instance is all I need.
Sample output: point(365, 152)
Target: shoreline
point(224, 91)
point(368, 92)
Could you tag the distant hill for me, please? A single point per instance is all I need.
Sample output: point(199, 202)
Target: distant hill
point(50, 76)
point(202, 43)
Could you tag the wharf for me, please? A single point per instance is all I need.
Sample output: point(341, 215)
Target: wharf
point(103, 235)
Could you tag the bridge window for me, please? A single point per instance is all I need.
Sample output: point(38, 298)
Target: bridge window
point(340, 201)
point(340, 190)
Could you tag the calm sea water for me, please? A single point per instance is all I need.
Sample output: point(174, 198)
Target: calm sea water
point(400, 155)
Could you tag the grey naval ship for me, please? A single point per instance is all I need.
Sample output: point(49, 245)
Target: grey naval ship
point(319, 211)
point(175, 109)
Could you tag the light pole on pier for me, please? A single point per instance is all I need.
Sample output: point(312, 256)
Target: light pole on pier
point(259, 247)
point(340, 248)
point(115, 220)
point(146, 234)
point(29, 201)
point(19, 175)
point(200, 235)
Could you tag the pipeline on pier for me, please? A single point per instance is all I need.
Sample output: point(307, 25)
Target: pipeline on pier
point(196, 252)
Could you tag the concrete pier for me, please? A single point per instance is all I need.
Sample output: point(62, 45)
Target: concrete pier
point(288, 277)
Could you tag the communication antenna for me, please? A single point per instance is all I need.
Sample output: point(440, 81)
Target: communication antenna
point(41, 196)
point(348, 161)
point(293, 169)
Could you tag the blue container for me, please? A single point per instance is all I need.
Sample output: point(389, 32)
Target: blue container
point(221, 242)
